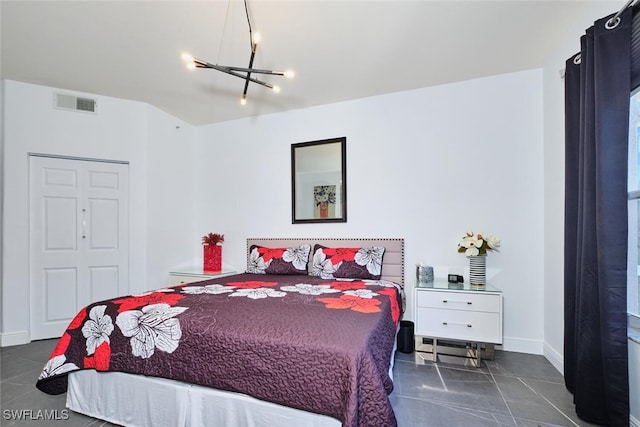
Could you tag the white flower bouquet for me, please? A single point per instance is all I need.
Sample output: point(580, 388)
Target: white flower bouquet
point(478, 244)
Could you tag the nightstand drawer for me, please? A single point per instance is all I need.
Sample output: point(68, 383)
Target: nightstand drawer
point(194, 275)
point(467, 301)
point(181, 280)
point(459, 325)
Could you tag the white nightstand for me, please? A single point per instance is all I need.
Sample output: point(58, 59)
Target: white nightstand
point(195, 274)
point(455, 319)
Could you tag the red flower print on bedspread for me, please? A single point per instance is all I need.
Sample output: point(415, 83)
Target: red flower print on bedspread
point(62, 345)
point(138, 301)
point(395, 307)
point(355, 303)
point(347, 285)
point(252, 284)
point(100, 358)
point(78, 320)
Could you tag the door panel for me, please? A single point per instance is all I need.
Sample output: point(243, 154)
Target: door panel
point(60, 223)
point(55, 177)
point(78, 238)
point(101, 179)
point(103, 224)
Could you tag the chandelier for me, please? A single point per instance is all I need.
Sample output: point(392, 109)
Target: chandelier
point(244, 73)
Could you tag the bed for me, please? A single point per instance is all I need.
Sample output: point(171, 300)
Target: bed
point(293, 341)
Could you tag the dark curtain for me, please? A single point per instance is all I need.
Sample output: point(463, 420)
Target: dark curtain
point(597, 92)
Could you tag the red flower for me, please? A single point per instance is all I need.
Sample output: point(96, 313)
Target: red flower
point(395, 307)
point(338, 255)
point(100, 359)
point(346, 286)
point(252, 284)
point(78, 320)
point(268, 253)
point(62, 345)
point(362, 305)
point(130, 303)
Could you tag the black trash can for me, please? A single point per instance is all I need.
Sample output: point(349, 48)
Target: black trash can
point(406, 342)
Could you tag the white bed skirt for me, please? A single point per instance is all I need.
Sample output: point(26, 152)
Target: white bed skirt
point(136, 400)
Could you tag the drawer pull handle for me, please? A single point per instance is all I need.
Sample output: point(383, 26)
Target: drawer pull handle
point(444, 301)
point(468, 325)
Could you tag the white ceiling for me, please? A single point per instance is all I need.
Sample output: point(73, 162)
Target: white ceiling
point(340, 50)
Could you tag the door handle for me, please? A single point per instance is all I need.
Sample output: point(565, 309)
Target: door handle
point(84, 224)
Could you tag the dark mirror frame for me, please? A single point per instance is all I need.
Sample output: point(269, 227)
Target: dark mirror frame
point(341, 214)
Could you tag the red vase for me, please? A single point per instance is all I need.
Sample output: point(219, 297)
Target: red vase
point(212, 258)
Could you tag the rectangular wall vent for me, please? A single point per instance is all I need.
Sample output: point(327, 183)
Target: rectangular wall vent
point(75, 103)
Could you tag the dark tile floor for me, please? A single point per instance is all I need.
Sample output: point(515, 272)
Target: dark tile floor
point(514, 389)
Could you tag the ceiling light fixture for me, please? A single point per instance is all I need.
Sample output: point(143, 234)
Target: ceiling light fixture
point(241, 72)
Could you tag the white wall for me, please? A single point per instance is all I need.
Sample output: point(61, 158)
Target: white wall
point(121, 130)
point(171, 235)
point(425, 165)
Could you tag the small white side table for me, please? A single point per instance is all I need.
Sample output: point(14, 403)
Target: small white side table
point(445, 312)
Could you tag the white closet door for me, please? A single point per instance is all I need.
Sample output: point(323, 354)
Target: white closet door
point(78, 238)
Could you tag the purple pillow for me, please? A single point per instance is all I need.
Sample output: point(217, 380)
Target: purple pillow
point(348, 263)
point(264, 260)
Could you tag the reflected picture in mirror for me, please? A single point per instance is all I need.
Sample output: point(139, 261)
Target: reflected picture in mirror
point(318, 181)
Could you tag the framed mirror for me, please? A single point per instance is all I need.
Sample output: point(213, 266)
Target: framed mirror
point(319, 181)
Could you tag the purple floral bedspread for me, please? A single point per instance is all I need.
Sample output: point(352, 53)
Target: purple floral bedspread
point(319, 345)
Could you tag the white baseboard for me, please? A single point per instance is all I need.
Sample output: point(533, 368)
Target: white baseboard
point(521, 345)
point(556, 359)
point(8, 339)
point(633, 421)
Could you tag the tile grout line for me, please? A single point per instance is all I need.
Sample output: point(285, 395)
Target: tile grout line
point(493, 379)
point(548, 401)
point(498, 421)
point(441, 379)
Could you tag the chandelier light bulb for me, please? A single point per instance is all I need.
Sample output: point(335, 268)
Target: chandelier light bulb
point(190, 61)
point(276, 88)
point(243, 100)
point(289, 74)
point(256, 38)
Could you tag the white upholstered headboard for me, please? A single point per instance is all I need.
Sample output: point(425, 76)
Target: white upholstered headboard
point(392, 263)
